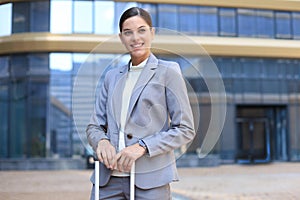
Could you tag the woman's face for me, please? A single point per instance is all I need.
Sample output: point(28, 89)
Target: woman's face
point(137, 36)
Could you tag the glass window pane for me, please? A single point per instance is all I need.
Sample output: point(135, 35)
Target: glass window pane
point(17, 123)
point(37, 118)
point(227, 21)
point(3, 118)
point(20, 17)
point(246, 23)
point(270, 72)
point(39, 16)
point(4, 66)
point(38, 64)
point(19, 66)
point(104, 17)
point(208, 22)
point(188, 19)
point(283, 25)
point(5, 19)
point(296, 25)
point(61, 16)
point(167, 17)
point(238, 76)
point(252, 72)
point(265, 24)
point(60, 61)
point(83, 16)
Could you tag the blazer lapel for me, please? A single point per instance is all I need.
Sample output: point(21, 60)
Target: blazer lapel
point(147, 73)
point(116, 103)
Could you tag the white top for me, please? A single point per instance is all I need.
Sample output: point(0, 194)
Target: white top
point(132, 77)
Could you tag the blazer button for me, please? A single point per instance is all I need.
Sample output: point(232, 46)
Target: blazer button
point(129, 136)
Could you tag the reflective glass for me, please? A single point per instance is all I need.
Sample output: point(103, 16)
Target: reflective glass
point(17, 121)
point(4, 66)
point(21, 17)
point(4, 103)
point(167, 16)
point(188, 19)
point(252, 72)
point(104, 17)
point(265, 24)
point(37, 117)
point(5, 19)
point(227, 21)
point(19, 67)
point(38, 64)
point(39, 16)
point(296, 25)
point(270, 83)
point(283, 25)
point(83, 17)
point(246, 23)
point(61, 16)
point(208, 21)
point(60, 118)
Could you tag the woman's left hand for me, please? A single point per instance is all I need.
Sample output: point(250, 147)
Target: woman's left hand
point(125, 158)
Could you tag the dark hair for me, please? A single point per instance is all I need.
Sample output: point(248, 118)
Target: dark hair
point(135, 11)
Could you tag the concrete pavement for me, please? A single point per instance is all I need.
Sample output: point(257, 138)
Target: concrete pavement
point(241, 182)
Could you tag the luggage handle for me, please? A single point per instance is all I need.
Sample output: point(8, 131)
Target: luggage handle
point(132, 180)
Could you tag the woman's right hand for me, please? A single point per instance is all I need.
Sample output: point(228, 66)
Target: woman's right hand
point(106, 153)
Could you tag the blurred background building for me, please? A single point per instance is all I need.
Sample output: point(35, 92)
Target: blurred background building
point(255, 45)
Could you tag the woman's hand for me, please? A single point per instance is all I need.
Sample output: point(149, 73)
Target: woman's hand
point(125, 158)
point(106, 153)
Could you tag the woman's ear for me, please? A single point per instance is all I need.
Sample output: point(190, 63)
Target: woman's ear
point(152, 32)
point(121, 38)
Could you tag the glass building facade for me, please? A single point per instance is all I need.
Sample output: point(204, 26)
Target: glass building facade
point(36, 87)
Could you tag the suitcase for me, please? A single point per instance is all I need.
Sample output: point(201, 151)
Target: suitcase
point(132, 180)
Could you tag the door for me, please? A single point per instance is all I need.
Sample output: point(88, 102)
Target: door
point(262, 134)
point(253, 140)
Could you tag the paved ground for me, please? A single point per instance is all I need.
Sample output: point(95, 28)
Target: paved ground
point(240, 182)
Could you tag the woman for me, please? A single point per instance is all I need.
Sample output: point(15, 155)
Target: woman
point(141, 115)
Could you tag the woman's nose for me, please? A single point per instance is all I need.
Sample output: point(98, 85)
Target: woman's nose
point(135, 36)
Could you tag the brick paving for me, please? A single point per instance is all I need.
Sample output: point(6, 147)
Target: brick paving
point(233, 182)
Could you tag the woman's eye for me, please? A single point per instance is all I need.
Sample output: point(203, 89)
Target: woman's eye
point(142, 30)
point(127, 33)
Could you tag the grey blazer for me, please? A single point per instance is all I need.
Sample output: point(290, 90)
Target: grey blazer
point(159, 113)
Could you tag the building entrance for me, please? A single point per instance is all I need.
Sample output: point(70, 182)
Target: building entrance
point(261, 134)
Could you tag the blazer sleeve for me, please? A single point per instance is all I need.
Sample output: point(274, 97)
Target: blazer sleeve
point(181, 129)
point(97, 127)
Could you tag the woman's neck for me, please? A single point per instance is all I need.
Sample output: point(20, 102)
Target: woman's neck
point(138, 60)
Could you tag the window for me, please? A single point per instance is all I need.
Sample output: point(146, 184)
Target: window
point(4, 67)
point(188, 19)
point(61, 16)
point(167, 17)
point(104, 17)
point(38, 64)
point(208, 21)
point(265, 24)
point(283, 25)
point(39, 16)
point(4, 106)
point(5, 19)
point(83, 17)
point(296, 25)
point(21, 17)
point(227, 21)
point(246, 23)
